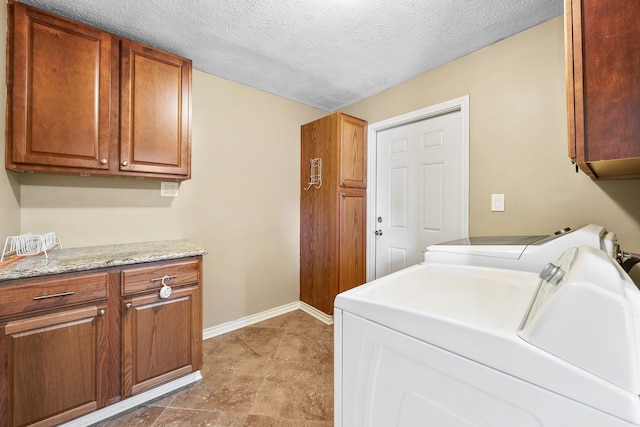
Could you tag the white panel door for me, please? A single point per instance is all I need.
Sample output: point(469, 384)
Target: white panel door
point(419, 189)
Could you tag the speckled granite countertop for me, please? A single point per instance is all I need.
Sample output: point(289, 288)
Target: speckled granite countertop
point(94, 257)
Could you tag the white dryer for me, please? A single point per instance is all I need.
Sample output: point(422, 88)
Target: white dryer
point(460, 346)
point(528, 253)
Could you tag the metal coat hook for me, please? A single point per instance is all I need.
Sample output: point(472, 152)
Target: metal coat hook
point(316, 173)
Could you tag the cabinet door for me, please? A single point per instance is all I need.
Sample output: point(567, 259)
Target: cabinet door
point(155, 111)
point(353, 214)
point(59, 93)
point(161, 339)
point(353, 152)
point(603, 64)
point(54, 367)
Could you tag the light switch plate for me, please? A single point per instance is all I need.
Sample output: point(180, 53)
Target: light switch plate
point(169, 189)
point(497, 203)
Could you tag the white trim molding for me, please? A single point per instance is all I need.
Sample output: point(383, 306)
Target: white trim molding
point(268, 314)
point(312, 311)
point(458, 104)
point(133, 401)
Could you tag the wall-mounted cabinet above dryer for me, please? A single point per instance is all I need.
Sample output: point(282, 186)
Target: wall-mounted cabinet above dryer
point(603, 90)
point(83, 101)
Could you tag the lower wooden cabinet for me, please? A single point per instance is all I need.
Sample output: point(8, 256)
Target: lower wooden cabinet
point(74, 343)
point(55, 366)
point(161, 339)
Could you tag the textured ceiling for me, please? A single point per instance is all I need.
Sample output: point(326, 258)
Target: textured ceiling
point(323, 53)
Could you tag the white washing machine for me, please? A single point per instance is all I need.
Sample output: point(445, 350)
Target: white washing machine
point(528, 253)
point(460, 346)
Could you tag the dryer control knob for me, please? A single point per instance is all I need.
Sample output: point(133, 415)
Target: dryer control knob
point(552, 274)
point(564, 230)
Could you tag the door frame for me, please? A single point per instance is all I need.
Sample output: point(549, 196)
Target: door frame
point(458, 104)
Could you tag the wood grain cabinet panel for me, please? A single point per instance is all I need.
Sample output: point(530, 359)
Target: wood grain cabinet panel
point(155, 92)
point(161, 337)
point(59, 92)
point(83, 101)
point(603, 65)
point(158, 339)
point(55, 367)
point(149, 278)
point(333, 216)
point(353, 244)
point(52, 293)
point(353, 151)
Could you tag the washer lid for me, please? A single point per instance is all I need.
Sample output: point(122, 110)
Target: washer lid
point(468, 296)
point(495, 240)
point(587, 312)
point(510, 247)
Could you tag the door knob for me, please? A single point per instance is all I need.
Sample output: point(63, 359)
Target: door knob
point(378, 232)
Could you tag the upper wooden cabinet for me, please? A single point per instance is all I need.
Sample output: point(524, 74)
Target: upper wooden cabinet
point(353, 157)
point(155, 110)
point(58, 91)
point(603, 90)
point(83, 101)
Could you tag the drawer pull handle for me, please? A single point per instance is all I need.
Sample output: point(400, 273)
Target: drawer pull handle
point(102, 312)
point(164, 278)
point(128, 306)
point(61, 294)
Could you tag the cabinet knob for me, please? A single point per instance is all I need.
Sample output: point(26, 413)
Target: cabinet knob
point(102, 312)
point(103, 161)
point(124, 163)
point(128, 306)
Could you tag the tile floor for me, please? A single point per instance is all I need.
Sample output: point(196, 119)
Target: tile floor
point(276, 373)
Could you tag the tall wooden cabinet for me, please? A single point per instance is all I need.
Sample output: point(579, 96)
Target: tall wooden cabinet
point(83, 101)
point(332, 208)
point(603, 91)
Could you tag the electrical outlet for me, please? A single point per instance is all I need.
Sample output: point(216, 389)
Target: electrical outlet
point(497, 203)
point(169, 189)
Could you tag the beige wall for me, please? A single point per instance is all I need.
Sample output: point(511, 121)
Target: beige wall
point(9, 182)
point(518, 139)
point(242, 203)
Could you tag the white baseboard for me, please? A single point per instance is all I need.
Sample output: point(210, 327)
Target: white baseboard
point(133, 401)
point(268, 314)
point(320, 315)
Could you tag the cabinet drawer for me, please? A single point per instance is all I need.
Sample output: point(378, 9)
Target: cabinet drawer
point(17, 299)
point(142, 279)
